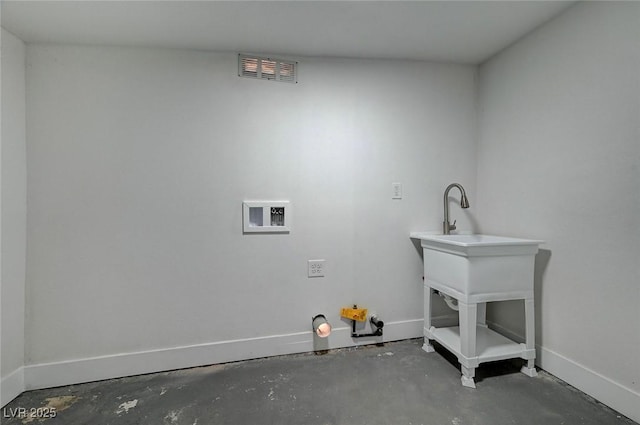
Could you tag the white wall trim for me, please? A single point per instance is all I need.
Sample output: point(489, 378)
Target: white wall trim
point(506, 332)
point(603, 389)
point(46, 375)
point(12, 386)
point(617, 396)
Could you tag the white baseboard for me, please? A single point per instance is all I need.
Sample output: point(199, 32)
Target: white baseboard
point(46, 375)
point(618, 397)
point(506, 332)
point(11, 386)
point(603, 389)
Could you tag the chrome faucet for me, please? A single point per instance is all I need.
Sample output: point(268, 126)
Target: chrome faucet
point(464, 203)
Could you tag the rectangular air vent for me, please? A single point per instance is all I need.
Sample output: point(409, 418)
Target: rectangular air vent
point(264, 68)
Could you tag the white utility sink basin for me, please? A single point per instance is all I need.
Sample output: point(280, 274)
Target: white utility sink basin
point(479, 268)
point(476, 269)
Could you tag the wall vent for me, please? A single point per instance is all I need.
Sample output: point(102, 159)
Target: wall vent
point(264, 68)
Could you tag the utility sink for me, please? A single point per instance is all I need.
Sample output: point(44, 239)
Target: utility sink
point(476, 269)
point(479, 268)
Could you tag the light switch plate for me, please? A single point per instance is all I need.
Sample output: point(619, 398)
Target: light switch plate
point(396, 190)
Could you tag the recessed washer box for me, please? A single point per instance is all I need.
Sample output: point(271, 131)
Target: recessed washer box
point(266, 216)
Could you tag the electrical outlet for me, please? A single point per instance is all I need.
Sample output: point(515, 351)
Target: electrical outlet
point(315, 268)
point(396, 190)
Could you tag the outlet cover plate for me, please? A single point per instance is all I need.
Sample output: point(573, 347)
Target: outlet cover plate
point(315, 268)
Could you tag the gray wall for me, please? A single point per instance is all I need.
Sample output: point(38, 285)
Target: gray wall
point(13, 213)
point(559, 155)
point(139, 161)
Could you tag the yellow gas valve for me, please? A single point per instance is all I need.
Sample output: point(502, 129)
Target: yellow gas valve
point(354, 313)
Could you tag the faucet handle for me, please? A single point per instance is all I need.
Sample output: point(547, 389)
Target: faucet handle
point(453, 226)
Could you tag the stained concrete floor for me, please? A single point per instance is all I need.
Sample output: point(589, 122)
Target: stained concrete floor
point(394, 384)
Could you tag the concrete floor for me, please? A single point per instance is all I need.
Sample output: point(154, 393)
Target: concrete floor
point(394, 384)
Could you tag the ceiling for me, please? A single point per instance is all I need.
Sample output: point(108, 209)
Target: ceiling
point(467, 32)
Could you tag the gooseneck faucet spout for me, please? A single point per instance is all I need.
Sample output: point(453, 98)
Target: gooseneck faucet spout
point(464, 203)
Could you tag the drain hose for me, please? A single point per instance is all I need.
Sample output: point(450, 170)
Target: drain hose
point(451, 302)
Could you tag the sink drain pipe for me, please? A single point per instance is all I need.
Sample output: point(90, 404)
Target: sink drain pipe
point(451, 302)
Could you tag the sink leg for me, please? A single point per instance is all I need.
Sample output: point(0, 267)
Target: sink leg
point(427, 320)
point(467, 376)
point(529, 320)
point(427, 346)
point(482, 314)
point(468, 314)
point(529, 369)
